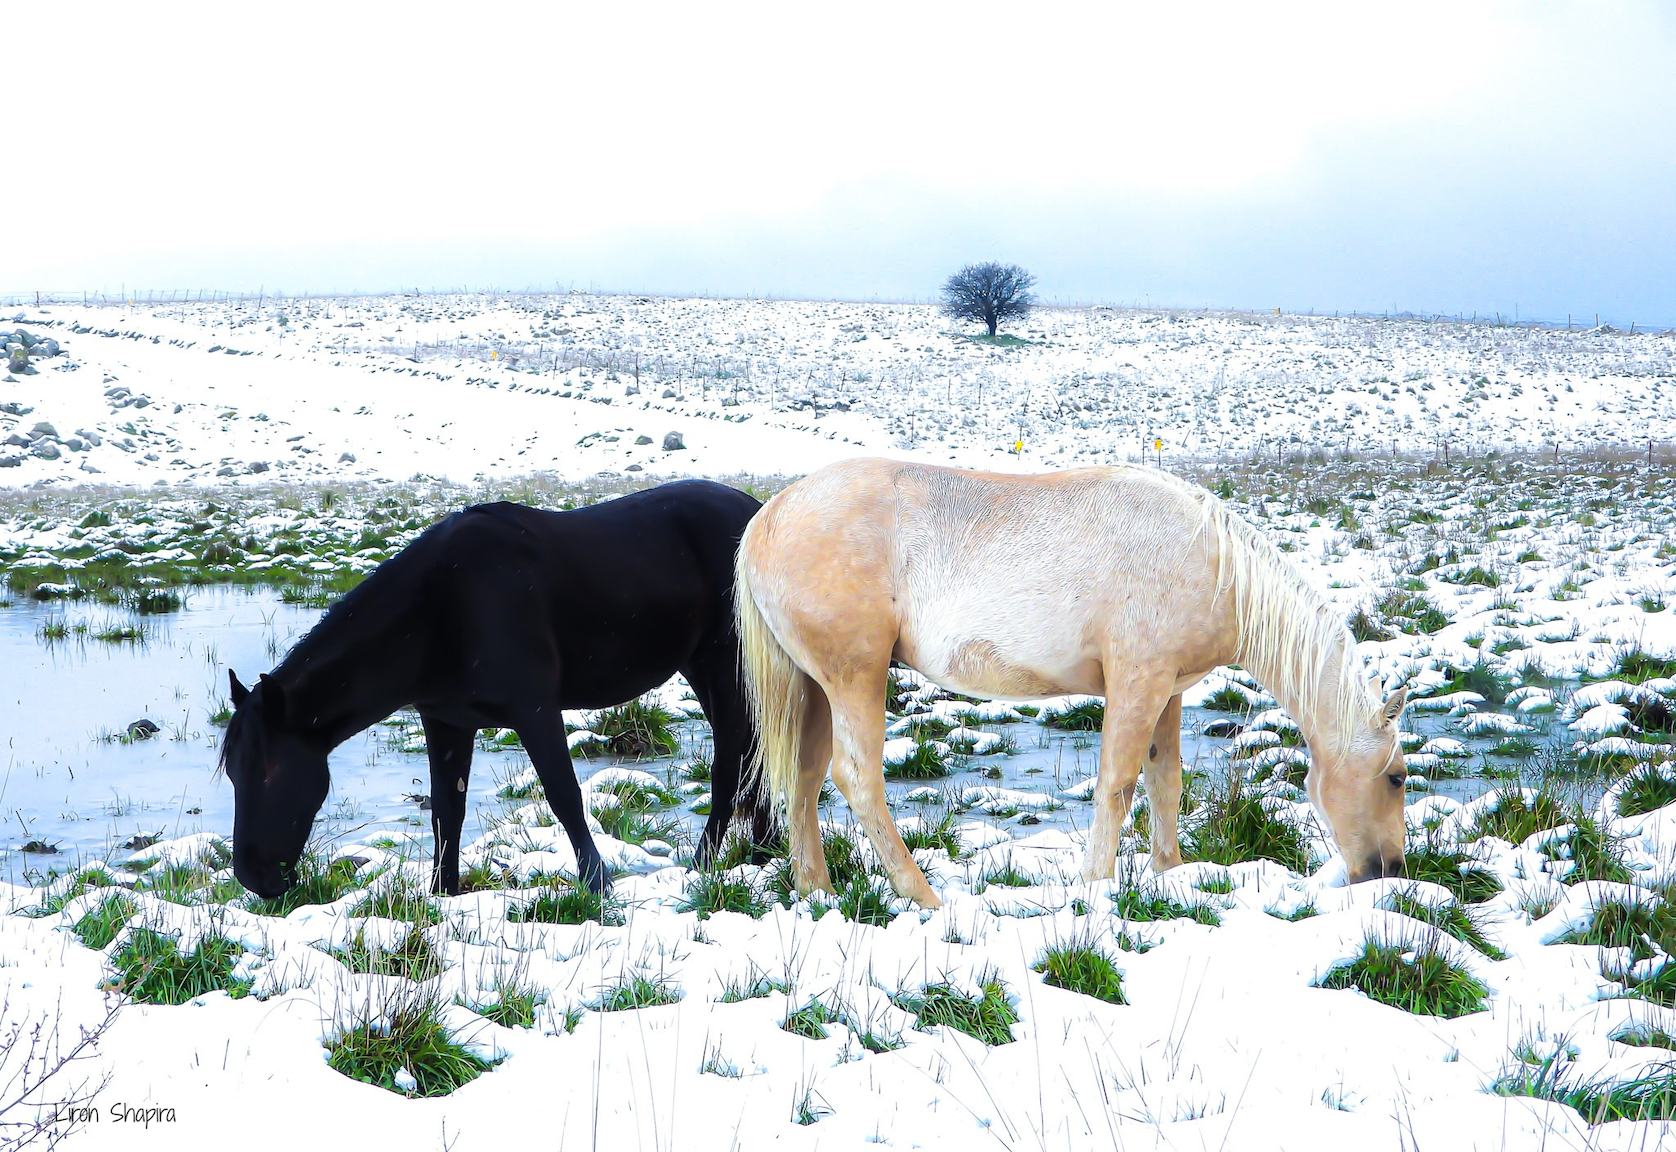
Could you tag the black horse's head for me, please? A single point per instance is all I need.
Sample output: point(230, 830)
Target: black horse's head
point(279, 783)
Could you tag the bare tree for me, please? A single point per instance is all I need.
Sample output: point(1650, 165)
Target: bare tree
point(988, 293)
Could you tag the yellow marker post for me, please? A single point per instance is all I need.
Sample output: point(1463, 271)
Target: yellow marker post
point(494, 354)
point(1018, 446)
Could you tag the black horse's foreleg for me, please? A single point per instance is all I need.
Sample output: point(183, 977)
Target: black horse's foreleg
point(449, 747)
point(543, 737)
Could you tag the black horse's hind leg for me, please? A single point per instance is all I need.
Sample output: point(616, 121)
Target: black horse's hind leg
point(449, 747)
point(543, 737)
point(714, 677)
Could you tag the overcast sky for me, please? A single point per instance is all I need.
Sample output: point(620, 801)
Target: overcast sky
point(1437, 158)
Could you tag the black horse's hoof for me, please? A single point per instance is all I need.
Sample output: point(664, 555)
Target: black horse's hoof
point(596, 878)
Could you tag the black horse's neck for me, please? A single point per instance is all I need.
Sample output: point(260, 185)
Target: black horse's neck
point(356, 666)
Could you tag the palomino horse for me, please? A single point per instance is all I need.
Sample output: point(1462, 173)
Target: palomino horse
point(501, 616)
point(1124, 582)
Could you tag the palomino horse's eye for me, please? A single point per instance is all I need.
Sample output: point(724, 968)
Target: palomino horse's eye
point(1398, 779)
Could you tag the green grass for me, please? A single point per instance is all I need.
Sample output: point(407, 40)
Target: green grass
point(810, 1021)
point(1088, 716)
point(1228, 698)
point(567, 904)
point(1413, 609)
point(408, 1034)
point(1646, 788)
point(98, 927)
point(1595, 852)
point(633, 825)
point(398, 902)
point(1490, 679)
point(989, 1018)
point(1514, 818)
point(1082, 967)
point(942, 835)
point(1454, 918)
point(413, 958)
point(638, 728)
point(315, 882)
point(1233, 824)
point(513, 1005)
point(710, 892)
point(867, 900)
point(1651, 1096)
point(1006, 874)
point(151, 968)
point(1427, 858)
point(1134, 904)
point(925, 762)
point(754, 987)
point(635, 991)
point(1475, 575)
point(1427, 985)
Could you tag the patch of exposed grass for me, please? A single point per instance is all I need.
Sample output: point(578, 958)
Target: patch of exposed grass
point(925, 762)
point(989, 1018)
point(399, 902)
point(1134, 904)
point(1646, 788)
point(636, 990)
point(412, 958)
point(405, 1040)
point(810, 1021)
point(313, 882)
point(1427, 858)
point(944, 835)
point(1514, 818)
point(1412, 975)
point(754, 986)
point(1454, 918)
point(710, 892)
point(1087, 716)
point(1650, 1096)
point(638, 728)
point(1082, 967)
point(151, 968)
point(98, 927)
point(1233, 824)
point(567, 904)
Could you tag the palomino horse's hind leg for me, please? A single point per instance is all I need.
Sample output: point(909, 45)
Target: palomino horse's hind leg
point(858, 750)
point(1133, 705)
point(1163, 786)
point(449, 749)
point(808, 857)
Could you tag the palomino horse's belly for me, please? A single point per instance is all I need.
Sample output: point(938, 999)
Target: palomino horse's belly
point(986, 663)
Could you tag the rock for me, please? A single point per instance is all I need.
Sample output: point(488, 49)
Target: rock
point(151, 456)
point(672, 442)
point(634, 468)
point(140, 402)
point(347, 458)
point(257, 466)
point(92, 438)
point(76, 444)
point(44, 428)
point(41, 848)
point(17, 441)
point(642, 439)
point(142, 729)
point(632, 390)
point(47, 348)
point(46, 450)
point(669, 393)
point(88, 466)
point(25, 338)
point(18, 361)
point(226, 470)
point(15, 408)
point(10, 461)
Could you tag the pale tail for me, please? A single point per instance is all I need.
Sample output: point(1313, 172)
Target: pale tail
point(776, 686)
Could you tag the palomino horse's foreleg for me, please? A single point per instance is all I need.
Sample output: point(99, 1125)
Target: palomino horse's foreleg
point(858, 750)
point(808, 858)
point(1133, 705)
point(448, 747)
point(1163, 786)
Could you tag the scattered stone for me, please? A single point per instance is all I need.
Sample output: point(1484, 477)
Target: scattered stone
point(669, 393)
point(16, 440)
point(44, 428)
point(642, 440)
point(632, 390)
point(142, 729)
point(226, 470)
point(92, 438)
point(15, 408)
point(18, 359)
point(634, 468)
point(141, 841)
point(89, 466)
point(41, 848)
point(48, 348)
point(46, 450)
point(258, 466)
point(76, 444)
point(672, 442)
point(347, 458)
point(10, 461)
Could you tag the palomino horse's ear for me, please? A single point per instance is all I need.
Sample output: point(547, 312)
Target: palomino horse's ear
point(239, 692)
point(273, 698)
point(1394, 703)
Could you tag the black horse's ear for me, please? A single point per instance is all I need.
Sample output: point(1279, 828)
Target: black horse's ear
point(239, 692)
point(273, 698)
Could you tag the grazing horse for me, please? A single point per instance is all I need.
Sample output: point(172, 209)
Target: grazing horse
point(500, 616)
point(1122, 582)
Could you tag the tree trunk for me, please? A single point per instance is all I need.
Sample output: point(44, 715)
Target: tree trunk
point(992, 323)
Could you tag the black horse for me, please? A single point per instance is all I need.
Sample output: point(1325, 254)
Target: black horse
point(500, 616)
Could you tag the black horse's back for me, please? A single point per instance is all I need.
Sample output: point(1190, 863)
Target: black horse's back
point(502, 615)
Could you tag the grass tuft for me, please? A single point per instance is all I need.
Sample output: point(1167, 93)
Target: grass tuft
point(1412, 975)
point(406, 1040)
point(151, 968)
point(1082, 967)
point(989, 1018)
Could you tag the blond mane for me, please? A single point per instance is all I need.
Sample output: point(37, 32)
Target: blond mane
point(1289, 633)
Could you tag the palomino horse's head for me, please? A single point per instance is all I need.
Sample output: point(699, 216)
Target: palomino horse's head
point(279, 783)
point(1361, 795)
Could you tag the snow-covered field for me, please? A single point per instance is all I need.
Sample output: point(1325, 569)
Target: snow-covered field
point(1522, 596)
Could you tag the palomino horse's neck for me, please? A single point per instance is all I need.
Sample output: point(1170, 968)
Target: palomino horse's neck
point(1293, 641)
